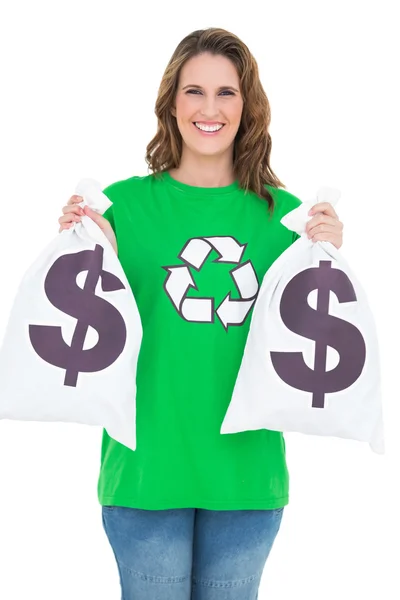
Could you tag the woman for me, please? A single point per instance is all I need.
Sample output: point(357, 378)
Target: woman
point(192, 514)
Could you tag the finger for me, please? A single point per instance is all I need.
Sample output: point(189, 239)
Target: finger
point(74, 199)
point(324, 207)
point(73, 208)
point(320, 219)
point(328, 237)
point(69, 218)
point(330, 224)
point(322, 228)
point(65, 226)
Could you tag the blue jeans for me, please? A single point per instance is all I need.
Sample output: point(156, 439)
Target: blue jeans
point(190, 554)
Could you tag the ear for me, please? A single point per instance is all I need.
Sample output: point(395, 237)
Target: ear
point(173, 111)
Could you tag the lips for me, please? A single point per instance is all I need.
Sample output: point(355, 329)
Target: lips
point(208, 127)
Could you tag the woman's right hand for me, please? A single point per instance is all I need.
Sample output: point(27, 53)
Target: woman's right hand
point(72, 213)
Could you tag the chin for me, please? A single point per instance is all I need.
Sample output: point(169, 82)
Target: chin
point(208, 149)
point(204, 152)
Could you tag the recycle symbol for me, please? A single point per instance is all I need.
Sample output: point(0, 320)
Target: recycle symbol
point(202, 310)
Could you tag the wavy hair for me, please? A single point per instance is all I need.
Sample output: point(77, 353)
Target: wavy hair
point(252, 145)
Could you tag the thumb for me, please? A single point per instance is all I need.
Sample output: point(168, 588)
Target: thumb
point(98, 219)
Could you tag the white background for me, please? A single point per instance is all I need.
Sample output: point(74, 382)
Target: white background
point(79, 81)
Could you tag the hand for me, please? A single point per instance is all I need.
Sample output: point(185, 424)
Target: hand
point(325, 226)
point(72, 213)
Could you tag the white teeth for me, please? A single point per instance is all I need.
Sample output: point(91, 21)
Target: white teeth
point(208, 127)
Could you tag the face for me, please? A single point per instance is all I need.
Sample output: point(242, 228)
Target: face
point(208, 105)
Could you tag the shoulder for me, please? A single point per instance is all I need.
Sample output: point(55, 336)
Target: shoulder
point(284, 201)
point(125, 189)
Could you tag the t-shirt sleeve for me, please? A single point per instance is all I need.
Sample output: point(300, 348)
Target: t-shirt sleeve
point(109, 213)
point(119, 193)
point(289, 203)
point(295, 236)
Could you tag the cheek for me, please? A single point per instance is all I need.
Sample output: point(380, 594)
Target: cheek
point(184, 108)
point(234, 112)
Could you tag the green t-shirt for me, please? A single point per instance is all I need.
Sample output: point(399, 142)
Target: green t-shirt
point(195, 258)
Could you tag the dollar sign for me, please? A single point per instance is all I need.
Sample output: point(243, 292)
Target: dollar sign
point(64, 293)
point(322, 327)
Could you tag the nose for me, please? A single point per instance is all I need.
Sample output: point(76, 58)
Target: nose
point(209, 107)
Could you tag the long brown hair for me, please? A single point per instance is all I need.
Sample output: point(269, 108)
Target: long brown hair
point(252, 146)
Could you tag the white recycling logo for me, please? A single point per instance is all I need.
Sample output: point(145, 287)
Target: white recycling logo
point(202, 310)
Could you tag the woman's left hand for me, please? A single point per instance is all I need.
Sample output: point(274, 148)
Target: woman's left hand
point(325, 226)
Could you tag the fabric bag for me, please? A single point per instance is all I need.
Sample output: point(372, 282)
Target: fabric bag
point(72, 341)
point(311, 361)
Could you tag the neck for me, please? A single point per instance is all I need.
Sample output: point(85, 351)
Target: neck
point(205, 171)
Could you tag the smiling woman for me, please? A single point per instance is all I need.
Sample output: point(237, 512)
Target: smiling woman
point(212, 80)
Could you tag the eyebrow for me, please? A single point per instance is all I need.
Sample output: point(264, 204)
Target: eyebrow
point(222, 87)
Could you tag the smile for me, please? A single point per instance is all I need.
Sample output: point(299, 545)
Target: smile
point(209, 128)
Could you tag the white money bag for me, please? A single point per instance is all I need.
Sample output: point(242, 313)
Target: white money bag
point(311, 360)
point(71, 344)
